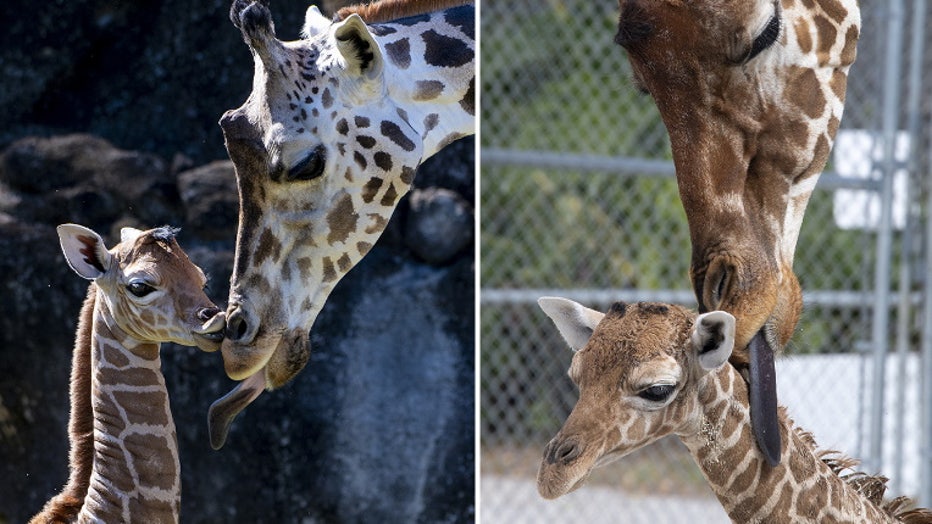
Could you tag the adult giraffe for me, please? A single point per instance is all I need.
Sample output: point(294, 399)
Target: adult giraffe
point(324, 148)
point(751, 93)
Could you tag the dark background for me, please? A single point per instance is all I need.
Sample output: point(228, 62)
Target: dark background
point(108, 117)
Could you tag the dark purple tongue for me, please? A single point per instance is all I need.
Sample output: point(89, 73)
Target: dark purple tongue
point(222, 412)
point(763, 398)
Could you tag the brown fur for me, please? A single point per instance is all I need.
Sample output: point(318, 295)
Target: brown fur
point(388, 10)
point(65, 506)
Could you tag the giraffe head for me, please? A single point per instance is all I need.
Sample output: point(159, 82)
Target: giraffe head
point(751, 92)
point(155, 293)
point(638, 369)
point(322, 157)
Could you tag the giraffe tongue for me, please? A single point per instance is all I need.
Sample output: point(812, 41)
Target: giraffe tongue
point(222, 412)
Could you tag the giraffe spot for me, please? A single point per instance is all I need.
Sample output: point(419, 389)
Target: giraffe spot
point(268, 247)
point(314, 112)
point(394, 133)
point(326, 99)
point(360, 160)
point(365, 141)
point(833, 124)
point(142, 505)
point(443, 51)
point(344, 263)
point(348, 175)
point(413, 20)
point(390, 196)
point(309, 100)
point(114, 356)
point(330, 273)
point(341, 219)
point(427, 89)
point(363, 248)
point(834, 9)
point(307, 304)
point(361, 122)
point(399, 53)
point(303, 114)
point(305, 264)
point(370, 189)
point(805, 92)
point(341, 147)
point(468, 103)
point(383, 30)
point(449, 139)
point(803, 36)
point(850, 51)
point(407, 175)
point(150, 450)
point(383, 160)
point(145, 407)
point(827, 37)
point(431, 121)
point(463, 18)
point(140, 377)
point(377, 223)
point(342, 126)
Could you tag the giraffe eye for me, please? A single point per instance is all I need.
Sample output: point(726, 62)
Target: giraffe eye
point(657, 392)
point(310, 167)
point(139, 288)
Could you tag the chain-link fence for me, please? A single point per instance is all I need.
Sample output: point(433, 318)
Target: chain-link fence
point(578, 199)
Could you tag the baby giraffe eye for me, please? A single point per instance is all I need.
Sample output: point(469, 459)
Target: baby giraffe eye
point(657, 392)
point(139, 288)
point(310, 167)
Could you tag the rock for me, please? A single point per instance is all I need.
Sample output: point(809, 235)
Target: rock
point(210, 199)
point(439, 225)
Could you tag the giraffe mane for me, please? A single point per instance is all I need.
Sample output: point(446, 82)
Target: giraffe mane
point(65, 506)
point(388, 10)
point(871, 487)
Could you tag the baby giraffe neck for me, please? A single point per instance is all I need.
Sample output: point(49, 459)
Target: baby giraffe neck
point(136, 470)
point(802, 488)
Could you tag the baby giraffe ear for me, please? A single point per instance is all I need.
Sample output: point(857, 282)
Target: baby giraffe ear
point(84, 250)
point(358, 47)
point(574, 321)
point(315, 23)
point(713, 338)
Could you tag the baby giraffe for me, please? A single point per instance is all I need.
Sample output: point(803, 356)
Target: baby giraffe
point(649, 370)
point(124, 452)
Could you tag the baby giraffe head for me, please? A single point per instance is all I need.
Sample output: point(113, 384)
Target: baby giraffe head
point(153, 292)
point(638, 369)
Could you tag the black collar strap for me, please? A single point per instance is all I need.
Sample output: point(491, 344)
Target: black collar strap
point(768, 36)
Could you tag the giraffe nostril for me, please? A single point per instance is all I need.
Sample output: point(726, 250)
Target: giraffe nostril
point(236, 327)
point(207, 313)
point(564, 451)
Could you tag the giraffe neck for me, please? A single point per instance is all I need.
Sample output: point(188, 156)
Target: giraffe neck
point(136, 470)
point(802, 488)
point(434, 89)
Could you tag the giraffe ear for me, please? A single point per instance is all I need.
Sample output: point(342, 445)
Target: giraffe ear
point(574, 321)
point(84, 250)
point(356, 44)
point(713, 338)
point(315, 23)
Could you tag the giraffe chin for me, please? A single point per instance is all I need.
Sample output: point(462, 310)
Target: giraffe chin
point(222, 412)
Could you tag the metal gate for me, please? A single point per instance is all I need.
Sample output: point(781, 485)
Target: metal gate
point(579, 199)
